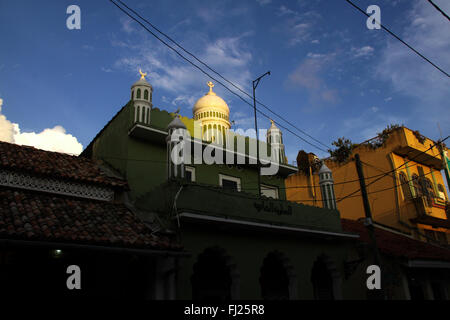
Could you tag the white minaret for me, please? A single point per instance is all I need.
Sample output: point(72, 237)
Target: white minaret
point(275, 139)
point(175, 152)
point(326, 183)
point(141, 95)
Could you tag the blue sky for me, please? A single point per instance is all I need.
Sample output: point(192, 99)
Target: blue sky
point(330, 75)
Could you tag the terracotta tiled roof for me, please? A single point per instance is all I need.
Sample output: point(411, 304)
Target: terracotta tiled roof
point(29, 215)
point(54, 164)
point(397, 245)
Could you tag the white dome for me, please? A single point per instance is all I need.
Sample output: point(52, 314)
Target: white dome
point(324, 169)
point(176, 123)
point(141, 82)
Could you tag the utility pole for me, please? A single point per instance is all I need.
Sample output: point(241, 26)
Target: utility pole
point(255, 84)
point(368, 222)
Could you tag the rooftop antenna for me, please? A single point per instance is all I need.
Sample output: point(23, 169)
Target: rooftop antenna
point(440, 131)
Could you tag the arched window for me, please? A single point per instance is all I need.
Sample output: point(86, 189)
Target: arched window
point(212, 277)
point(405, 186)
point(138, 114)
point(143, 114)
point(417, 186)
point(429, 187)
point(132, 95)
point(146, 95)
point(138, 94)
point(207, 114)
point(274, 279)
point(322, 281)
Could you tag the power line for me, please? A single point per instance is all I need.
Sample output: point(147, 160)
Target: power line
point(217, 73)
point(439, 9)
point(163, 162)
point(431, 147)
point(399, 39)
point(213, 78)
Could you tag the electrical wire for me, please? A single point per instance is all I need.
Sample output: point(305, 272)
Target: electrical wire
point(213, 78)
point(439, 9)
point(217, 73)
point(399, 39)
point(409, 160)
point(164, 162)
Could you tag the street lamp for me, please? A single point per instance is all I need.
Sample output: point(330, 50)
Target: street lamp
point(255, 84)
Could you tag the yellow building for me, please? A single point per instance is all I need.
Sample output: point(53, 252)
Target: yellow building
point(411, 198)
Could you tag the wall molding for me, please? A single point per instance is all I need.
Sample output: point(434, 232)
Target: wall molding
point(56, 186)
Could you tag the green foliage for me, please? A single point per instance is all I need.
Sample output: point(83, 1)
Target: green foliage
point(419, 137)
point(343, 149)
point(382, 136)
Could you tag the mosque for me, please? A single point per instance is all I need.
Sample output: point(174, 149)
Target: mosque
point(216, 208)
point(210, 112)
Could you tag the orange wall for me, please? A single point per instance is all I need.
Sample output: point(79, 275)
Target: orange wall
point(388, 206)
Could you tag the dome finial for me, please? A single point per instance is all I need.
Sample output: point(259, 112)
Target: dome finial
point(142, 74)
point(210, 85)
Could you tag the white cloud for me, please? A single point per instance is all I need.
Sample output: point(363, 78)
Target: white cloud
point(107, 70)
point(297, 25)
point(300, 33)
point(309, 75)
point(362, 52)
point(54, 139)
point(6, 127)
point(316, 55)
point(228, 55)
point(427, 31)
point(283, 11)
point(127, 24)
point(50, 139)
point(184, 100)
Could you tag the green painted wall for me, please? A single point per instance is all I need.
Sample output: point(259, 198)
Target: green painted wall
point(143, 163)
point(202, 199)
point(248, 251)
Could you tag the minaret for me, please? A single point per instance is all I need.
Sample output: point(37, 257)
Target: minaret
point(141, 95)
point(326, 183)
point(175, 151)
point(275, 139)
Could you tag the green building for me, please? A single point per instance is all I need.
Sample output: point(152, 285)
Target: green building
point(241, 245)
